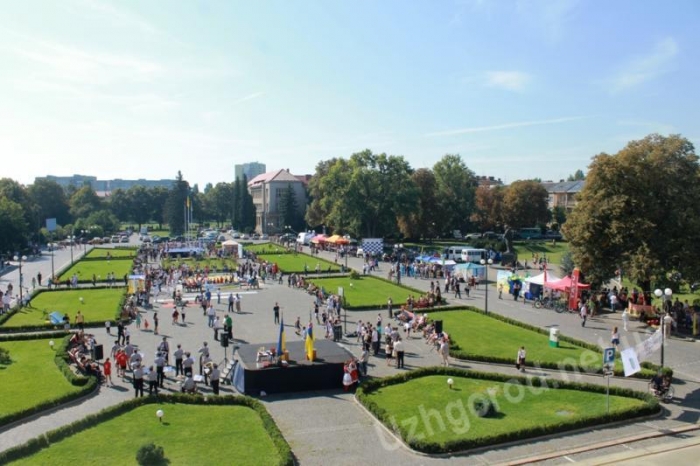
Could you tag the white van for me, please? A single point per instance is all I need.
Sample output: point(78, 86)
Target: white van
point(473, 255)
point(304, 238)
point(454, 252)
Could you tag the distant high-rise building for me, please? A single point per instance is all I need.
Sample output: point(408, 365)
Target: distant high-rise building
point(250, 170)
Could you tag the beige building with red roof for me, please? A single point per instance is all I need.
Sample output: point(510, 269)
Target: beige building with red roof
point(267, 191)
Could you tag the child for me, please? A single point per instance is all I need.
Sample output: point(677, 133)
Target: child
point(107, 369)
point(520, 364)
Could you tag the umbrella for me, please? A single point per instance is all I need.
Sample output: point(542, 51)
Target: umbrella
point(56, 317)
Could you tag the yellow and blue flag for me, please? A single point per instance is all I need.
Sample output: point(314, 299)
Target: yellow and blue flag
point(309, 344)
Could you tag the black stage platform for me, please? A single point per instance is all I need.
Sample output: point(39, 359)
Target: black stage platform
point(326, 372)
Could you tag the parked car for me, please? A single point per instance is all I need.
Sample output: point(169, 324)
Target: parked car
point(146, 239)
point(472, 236)
point(124, 239)
point(221, 238)
point(245, 236)
point(235, 235)
point(555, 235)
point(255, 236)
point(264, 236)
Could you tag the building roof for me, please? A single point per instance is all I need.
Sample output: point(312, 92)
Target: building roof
point(279, 175)
point(564, 186)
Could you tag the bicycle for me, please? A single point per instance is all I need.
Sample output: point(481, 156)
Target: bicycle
point(664, 393)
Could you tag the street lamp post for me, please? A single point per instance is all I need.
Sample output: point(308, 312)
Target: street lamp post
point(72, 239)
point(486, 262)
point(51, 248)
point(20, 259)
point(667, 293)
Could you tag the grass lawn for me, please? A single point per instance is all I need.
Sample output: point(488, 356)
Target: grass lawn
point(365, 292)
point(290, 263)
point(265, 248)
point(533, 410)
point(98, 306)
point(553, 252)
point(201, 264)
point(483, 336)
point(85, 270)
point(114, 252)
point(32, 377)
point(189, 435)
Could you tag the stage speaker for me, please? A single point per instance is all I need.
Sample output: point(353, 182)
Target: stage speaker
point(224, 340)
point(99, 352)
point(438, 326)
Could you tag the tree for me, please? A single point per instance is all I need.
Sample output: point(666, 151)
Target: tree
point(120, 205)
point(157, 207)
point(12, 190)
point(289, 209)
point(14, 230)
point(84, 202)
point(422, 220)
point(456, 188)
point(577, 176)
point(637, 212)
point(488, 206)
point(175, 205)
point(525, 204)
point(51, 202)
point(140, 200)
point(105, 220)
point(246, 219)
point(558, 217)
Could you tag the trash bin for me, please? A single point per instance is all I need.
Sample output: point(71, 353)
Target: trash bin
point(554, 337)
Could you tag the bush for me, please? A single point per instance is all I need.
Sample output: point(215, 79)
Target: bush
point(483, 407)
point(151, 454)
point(5, 356)
point(354, 274)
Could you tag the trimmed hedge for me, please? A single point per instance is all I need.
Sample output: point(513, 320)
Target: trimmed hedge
point(648, 371)
point(87, 384)
point(651, 406)
point(45, 440)
point(38, 327)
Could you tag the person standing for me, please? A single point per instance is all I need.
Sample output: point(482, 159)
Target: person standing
point(276, 310)
point(80, 321)
point(218, 296)
point(203, 356)
point(615, 338)
point(138, 320)
point(520, 360)
point(238, 303)
point(625, 319)
point(399, 350)
point(584, 314)
point(230, 302)
point(155, 323)
point(228, 327)
point(211, 314)
point(187, 364)
point(107, 369)
point(159, 362)
point(389, 307)
point(177, 354)
point(444, 351)
point(152, 377)
point(375, 341)
point(138, 380)
point(214, 377)
point(38, 278)
point(364, 359)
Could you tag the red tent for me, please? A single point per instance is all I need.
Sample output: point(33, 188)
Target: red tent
point(565, 284)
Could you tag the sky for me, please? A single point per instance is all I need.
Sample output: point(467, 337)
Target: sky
point(520, 89)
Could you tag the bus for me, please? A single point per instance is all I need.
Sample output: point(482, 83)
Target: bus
point(530, 233)
point(454, 252)
point(473, 255)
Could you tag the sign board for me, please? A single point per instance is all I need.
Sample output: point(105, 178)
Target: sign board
point(51, 224)
point(608, 356)
point(630, 362)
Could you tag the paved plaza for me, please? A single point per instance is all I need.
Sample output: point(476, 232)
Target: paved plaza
point(330, 427)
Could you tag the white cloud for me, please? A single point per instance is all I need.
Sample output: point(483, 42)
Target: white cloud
point(551, 16)
point(114, 14)
point(252, 96)
point(508, 80)
point(519, 124)
point(646, 67)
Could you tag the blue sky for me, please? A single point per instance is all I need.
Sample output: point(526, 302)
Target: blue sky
point(520, 89)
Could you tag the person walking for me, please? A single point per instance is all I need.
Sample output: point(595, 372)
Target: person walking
point(155, 323)
point(520, 360)
point(625, 319)
point(584, 314)
point(444, 351)
point(230, 302)
point(399, 350)
point(276, 310)
point(138, 320)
